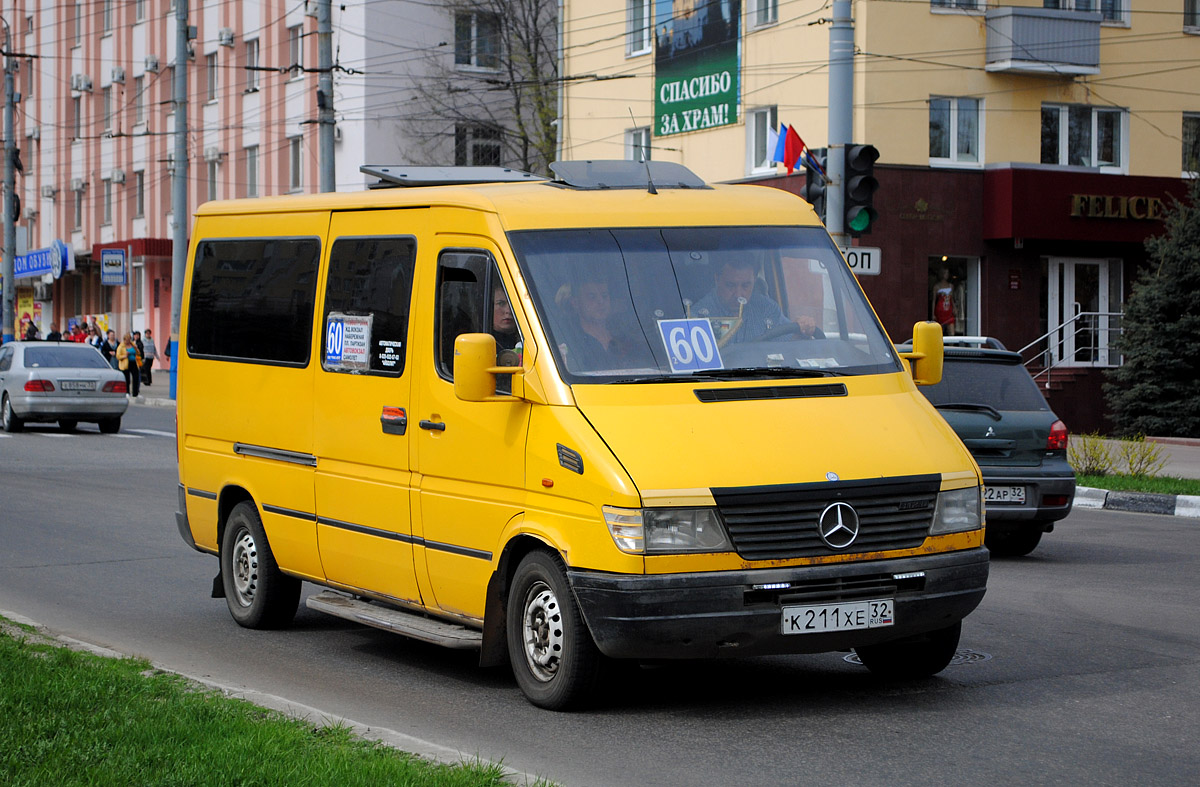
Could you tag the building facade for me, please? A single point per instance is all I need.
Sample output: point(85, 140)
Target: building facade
point(95, 124)
point(1027, 150)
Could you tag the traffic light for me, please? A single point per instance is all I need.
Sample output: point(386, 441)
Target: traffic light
point(861, 185)
point(814, 181)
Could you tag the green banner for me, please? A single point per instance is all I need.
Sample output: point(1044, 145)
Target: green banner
point(695, 65)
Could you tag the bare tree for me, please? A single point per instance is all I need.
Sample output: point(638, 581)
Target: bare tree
point(494, 98)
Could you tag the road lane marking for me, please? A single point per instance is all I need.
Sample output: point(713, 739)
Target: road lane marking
point(155, 432)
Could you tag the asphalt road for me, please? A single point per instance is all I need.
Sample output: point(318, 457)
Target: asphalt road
point(1081, 666)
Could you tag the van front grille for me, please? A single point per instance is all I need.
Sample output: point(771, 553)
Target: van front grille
point(779, 522)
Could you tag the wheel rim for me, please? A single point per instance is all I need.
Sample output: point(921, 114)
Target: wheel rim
point(542, 632)
point(244, 562)
point(7, 414)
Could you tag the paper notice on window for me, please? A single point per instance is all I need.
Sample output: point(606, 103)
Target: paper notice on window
point(348, 342)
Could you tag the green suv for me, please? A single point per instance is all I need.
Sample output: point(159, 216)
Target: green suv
point(998, 411)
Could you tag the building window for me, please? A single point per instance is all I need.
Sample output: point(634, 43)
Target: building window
point(212, 179)
point(106, 202)
point(251, 176)
point(77, 197)
point(138, 289)
point(764, 12)
point(1191, 13)
point(1191, 145)
point(169, 88)
point(78, 22)
point(637, 144)
point(477, 40)
point(107, 15)
point(106, 104)
point(139, 194)
point(639, 27)
point(476, 146)
point(76, 117)
point(251, 64)
point(139, 10)
point(1110, 10)
point(210, 73)
point(759, 123)
point(29, 24)
point(139, 100)
point(296, 50)
point(1083, 136)
point(954, 131)
point(28, 80)
point(973, 5)
point(295, 181)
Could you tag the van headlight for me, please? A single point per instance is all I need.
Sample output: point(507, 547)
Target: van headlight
point(958, 510)
point(666, 531)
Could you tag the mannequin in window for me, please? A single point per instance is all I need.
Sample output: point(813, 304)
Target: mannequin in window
point(943, 302)
point(959, 297)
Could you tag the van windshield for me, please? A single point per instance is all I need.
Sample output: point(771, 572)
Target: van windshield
point(643, 305)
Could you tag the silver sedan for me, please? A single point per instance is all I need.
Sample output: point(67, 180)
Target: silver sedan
point(59, 381)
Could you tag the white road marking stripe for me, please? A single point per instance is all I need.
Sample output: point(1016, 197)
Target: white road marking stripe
point(155, 432)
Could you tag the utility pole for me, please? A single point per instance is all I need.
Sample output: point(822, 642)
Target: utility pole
point(841, 117)
point(179, 183)
point(325, 119)
point(10, 193)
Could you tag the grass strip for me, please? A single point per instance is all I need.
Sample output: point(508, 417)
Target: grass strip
point(69, 717)
point(1163, 485)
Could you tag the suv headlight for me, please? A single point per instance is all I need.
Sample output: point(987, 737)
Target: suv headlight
point(958, 510)
point(666, 531)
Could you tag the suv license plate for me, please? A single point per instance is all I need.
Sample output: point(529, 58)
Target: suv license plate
point(78, 385)
point(844, 616)
point(1004, 494)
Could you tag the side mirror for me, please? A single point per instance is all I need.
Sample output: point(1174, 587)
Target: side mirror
point(926, 355)
point(475, 369)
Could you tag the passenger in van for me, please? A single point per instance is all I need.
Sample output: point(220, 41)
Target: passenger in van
point(596, 339)
point(504, 325)
point(739, 314)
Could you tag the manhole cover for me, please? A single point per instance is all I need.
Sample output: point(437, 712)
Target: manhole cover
point(961, 656)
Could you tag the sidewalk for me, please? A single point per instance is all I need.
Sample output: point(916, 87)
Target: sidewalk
point(157, 394)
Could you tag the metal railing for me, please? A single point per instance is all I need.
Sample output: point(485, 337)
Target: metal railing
point(1084, 340)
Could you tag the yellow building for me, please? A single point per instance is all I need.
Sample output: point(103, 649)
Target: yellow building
point(1026, 150)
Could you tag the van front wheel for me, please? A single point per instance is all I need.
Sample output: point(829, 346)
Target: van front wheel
point(554, 660)
point(260, 596)
point(912, 658)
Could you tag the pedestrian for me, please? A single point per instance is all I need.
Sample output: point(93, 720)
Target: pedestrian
point(54, 335)
point(31, 332)
point(141, 353)
point(127, 362)
point(150, 352)
point(108, 348)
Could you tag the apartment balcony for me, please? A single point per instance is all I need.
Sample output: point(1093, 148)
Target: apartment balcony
point(1043, 41)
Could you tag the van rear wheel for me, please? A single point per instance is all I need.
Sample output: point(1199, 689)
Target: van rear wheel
point(553, 657)
point(259, 595)
point(913, 657)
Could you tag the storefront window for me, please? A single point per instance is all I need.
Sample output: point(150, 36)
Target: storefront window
point(954, 294)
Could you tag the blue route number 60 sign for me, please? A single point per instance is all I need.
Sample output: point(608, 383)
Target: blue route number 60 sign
point(691, 345)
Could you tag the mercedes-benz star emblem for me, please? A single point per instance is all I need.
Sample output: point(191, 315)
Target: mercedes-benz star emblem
point(838, 525)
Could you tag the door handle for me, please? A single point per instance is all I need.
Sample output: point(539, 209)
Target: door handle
point(434, 426)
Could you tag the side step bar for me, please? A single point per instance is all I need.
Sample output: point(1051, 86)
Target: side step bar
point(437, 632)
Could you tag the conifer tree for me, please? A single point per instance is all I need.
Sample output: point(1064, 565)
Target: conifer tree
point(1156, 391)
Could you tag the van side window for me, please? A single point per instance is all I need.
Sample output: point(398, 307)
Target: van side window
point(471, 299)
point(252, 300)
point(367, 299)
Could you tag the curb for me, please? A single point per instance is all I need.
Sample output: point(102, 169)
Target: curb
point(154, 401)
point(1140, 502)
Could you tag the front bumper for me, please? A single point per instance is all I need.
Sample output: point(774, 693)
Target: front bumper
point(1054, 477)
point(721, 613)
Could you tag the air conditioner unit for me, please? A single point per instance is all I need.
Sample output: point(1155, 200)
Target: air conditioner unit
point(49, 192)
point(337, 133)
point(152, 63)
point(81, 82)
point(31, 213)
point(225, 36)
point(35, 132)
point(118, 75)
point(78, 184)
point(213, 154)
point(118, 176)
point(310, 8)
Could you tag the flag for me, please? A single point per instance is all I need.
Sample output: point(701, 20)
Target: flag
point(812, 162)
point(775, 142)
point(792, 149)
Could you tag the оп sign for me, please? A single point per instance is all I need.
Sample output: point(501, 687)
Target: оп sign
point(863, 260)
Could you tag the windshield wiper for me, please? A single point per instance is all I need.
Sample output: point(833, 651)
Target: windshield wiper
point(666, 378)
point(770, 371)
point(983, 408)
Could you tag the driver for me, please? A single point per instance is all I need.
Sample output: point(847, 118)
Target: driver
point(738, 313)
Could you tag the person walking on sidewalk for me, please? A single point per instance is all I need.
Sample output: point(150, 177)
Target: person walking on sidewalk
point(150, 353)
point(127, 362)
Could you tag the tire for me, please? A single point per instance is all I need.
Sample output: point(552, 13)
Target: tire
point(12, 423)
point(259, 595)
point(67, 424)
point(554, 659)
point(913, 658)
point(110, 425)
point(1016, 543)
